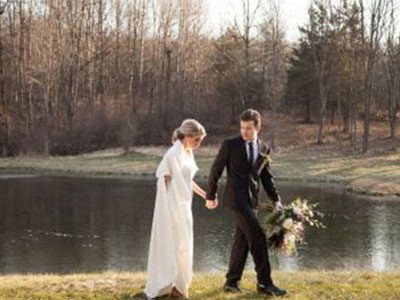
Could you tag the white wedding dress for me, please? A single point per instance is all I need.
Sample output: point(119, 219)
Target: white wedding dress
point(171, 243)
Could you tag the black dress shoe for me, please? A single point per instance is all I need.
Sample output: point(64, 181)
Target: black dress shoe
point(232, 289)
point(271, 289)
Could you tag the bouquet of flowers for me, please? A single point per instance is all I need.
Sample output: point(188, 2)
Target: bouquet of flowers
point(285, 228)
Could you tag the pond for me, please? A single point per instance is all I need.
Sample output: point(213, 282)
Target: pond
point(69, 224)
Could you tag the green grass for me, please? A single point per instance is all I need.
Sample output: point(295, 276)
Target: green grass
point(302, 285)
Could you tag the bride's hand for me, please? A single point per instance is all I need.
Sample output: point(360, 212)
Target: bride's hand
point(167, 178)
point(211, 204)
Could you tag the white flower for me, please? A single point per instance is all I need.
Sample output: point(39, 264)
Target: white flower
point(288, 223)
point(297, 211)
point(290, 239)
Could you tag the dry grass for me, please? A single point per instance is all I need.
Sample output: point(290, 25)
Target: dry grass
point(302, 285)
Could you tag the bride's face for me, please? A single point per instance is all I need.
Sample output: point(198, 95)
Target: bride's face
point(194, 142)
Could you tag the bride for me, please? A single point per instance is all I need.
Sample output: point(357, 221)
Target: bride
point(171, 243)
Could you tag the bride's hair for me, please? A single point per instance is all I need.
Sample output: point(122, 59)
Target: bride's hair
point(189, 127)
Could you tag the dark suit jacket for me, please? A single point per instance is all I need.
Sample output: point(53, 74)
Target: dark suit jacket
point(243, 179)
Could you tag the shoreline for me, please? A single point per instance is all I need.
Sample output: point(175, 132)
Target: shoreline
point(375, 175)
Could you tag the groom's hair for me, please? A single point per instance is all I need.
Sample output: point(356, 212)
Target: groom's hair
point(251, 115)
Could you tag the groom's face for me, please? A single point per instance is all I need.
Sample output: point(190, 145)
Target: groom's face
point(248, 130)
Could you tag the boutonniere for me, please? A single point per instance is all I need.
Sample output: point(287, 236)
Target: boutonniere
point(265, 160)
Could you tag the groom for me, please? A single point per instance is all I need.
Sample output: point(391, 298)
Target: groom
point(244, 157)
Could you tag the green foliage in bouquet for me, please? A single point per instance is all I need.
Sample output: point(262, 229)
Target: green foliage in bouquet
point(285, 229)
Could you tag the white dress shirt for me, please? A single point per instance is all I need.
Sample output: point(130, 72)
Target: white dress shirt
point(255, 149)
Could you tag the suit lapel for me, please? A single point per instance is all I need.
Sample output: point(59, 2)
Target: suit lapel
point(262, 149)
point(243, 150)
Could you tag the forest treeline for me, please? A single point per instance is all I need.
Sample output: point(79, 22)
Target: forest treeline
point(78, 75)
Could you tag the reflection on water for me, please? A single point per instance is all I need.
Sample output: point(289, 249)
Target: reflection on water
point(384, 243)
point(63, 225)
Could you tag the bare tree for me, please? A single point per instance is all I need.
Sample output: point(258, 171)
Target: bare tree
point(392, 71)
point(356, 68)
point(275, 55)
point(319, 31)
point(371, 45)
point(244, 28)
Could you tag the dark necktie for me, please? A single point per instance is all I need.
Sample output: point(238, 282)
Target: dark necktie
point(251, 153)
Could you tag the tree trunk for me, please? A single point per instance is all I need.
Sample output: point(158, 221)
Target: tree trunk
point(4, 125)
point(322, 98)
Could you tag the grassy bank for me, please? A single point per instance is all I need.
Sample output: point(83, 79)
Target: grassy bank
point(377, 173)
point(302, 285)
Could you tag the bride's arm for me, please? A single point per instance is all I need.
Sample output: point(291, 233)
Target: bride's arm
point(198, 190)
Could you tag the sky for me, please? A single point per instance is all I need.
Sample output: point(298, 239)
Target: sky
point(220, 13)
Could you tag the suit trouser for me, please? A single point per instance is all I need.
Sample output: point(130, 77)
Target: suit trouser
point(249, 235)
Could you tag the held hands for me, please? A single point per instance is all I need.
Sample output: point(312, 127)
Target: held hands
point(211, 204)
